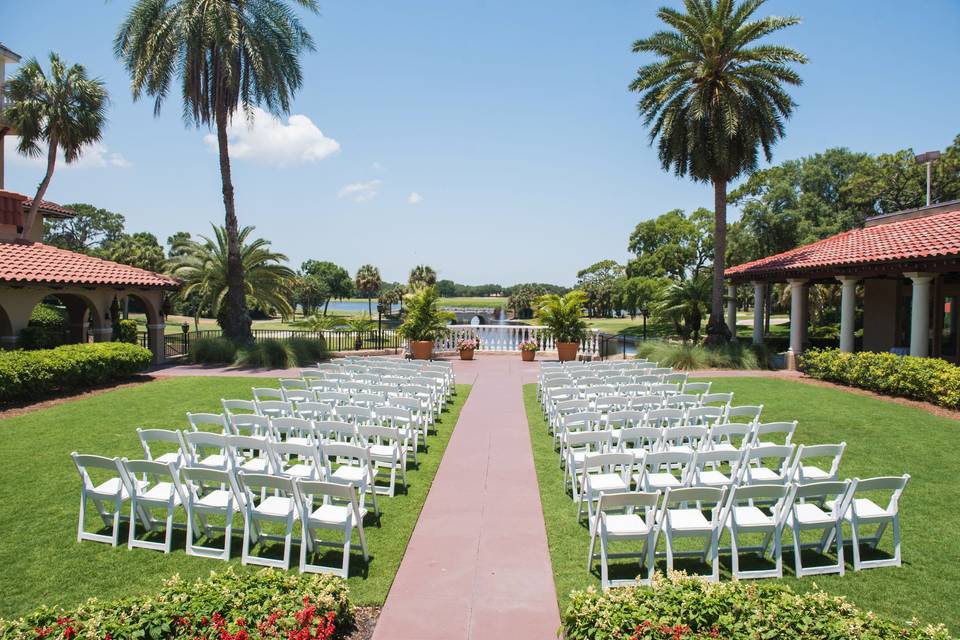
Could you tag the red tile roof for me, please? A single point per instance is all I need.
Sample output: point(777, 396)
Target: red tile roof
point(50, 207)
point(929, 237)
point(25, 262)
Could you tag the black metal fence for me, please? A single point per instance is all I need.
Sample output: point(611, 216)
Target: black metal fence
point(177, 345)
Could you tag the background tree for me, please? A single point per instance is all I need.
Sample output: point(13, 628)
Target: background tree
point(229, 56)
point(368, 283)
point(672, 244)
point(598, 282)
point(422, 275)
point(309, 292)
point(140, 249)
point(64, 111)
point(637, 294)
point(713, 99)
point(684, 303)
point(91, 228)
point(336, 280)
point(202, 266)
point(523, 298)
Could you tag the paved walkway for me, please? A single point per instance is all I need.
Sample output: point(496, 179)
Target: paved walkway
point(477, 565)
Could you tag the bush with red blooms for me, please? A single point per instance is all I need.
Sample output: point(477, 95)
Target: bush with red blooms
point(681, 607)
point(263, 605)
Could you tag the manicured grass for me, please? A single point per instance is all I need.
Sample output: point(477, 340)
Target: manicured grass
point(883, 438)
point(40, 560)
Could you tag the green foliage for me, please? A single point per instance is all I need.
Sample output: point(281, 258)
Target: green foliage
point(686, 607)
point(422, 275)
point(672, 244)
point(317, 322)
point(563, 315)
point(308, 351)
point(213, 351)
point(688, 357)
point(27, 375)
point(267, 354)
point(599, 281)
point(360, 324)
point(928, 379)
point(523, 298)
point(140, 249)
point(368, 282)
point(48, 328)
point(424, 320)
point(331, 281)
point(263, 604)
point(127, 331)
point(91, 228)
point(684, 303)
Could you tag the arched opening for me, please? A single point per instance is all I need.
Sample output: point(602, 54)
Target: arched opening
point(6, 328)
point(59, 318)
point(146, 314)
point(476, 321)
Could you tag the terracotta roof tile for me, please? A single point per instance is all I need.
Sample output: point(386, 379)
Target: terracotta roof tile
point(917, 239)
point(35, 262)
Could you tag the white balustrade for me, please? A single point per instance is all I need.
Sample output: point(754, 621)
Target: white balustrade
point(507, 337)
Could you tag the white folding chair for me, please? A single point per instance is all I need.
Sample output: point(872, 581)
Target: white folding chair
point(864, 512)
point(617, 520)
point(250, 455)
point(577, 446)
point(749, 413)
point(387, 447)
point(207, 450)
point(806, 514)
point(211, 422)
point(404, 420)
point(210, 492)
point(763, 430)
point(249, 424)
point(177, 457)
point(603, 473)
point(275, 408)
point(295, 460)
point(803, 469)
point(680, 520)
point(743, 516)
point(292, 430)
point(352, 465)
point(683, 438)
point(267, 499)
point(160, 489)
point(108, 495)
point(327, 506)
point(767, 464)
point(663, 470)
point(715, 468)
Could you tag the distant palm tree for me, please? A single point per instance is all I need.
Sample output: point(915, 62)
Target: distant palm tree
point(64, 111)
point(684, 303)
point(422, 275)
point(713, 98)
point(230, 55)
point(368, 283)
point(202, 267)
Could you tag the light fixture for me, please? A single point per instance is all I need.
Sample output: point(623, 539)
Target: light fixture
point(928, 159)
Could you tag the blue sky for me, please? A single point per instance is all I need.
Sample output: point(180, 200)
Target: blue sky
point(509, 121)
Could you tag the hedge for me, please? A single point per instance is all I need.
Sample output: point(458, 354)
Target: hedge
point(127, 331)
point(48, 328)
point(27, 375)
point(928, 379)
point(226, 606)
point(690, 608)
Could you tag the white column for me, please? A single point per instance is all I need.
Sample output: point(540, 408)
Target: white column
point(102, 334)
point(848, 294)
point(156, 342)
point(798, 303)
point(759, 300)
point(920, 313)
point(732, 309)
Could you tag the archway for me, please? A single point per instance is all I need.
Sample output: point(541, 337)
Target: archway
point(7, 337)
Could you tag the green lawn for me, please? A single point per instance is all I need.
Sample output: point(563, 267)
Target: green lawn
point(882, 438)
point(40, 560)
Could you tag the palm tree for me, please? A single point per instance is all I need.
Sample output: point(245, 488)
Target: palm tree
point(229, 55)
point(686, 301)
point(712, 99)
point(422, 275)
point(203, 268)
point(65, 110)
point(368, 283)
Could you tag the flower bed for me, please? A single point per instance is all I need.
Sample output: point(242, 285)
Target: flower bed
point(928, 379)
point(226, 606)
point(27, 375)
point(683, 607)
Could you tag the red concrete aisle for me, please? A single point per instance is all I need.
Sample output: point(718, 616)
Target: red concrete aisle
point(477, 565)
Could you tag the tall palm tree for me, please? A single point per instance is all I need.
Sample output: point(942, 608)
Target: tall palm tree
point(368, 283)
point(422, 275)
point(202, 266)
point(713, 99)
point(64, 111)
point(229, 55)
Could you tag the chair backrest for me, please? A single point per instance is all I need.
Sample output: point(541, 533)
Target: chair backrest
point(737, 434)
point(723, 399)
point(112, 466)
point(807, 453)
point(676, 462)
point(248, 424)
point(267, 393)
point(595, 441)
point(709, 495)
point(629, 501)
point(645, 438)
point(633, 389)
point(646, 402)
point(349, 453)
point(231, 407)
point(624, 419)
point(582, 421)
point(195, 479)
point(146, 436)
point(282, 429)
point(154, 472)
point(762, 429)
point(334, 431)
point(393, 416)
point(334, 398)
point(682, 400)
point(274, 408)
point(299, 395)
point(612, 462)
point(201, 442)
point(696, 387)
point(285, 453)
point(715, 461)
point(257, 447)
point(313, 410)
point(380, 435)
point(664, 388)
point(688, 436)
point(611, 403)
point(777, 494)
point(704, 415)
point(894, 484)
point(213, 422)
point(750, 412)
point(676, 377)
point(354, 414)
point(311, 373)
point(251, 484)
point(774, 456)
point(663, 417)
point(369, 400)
point(289, 384)
point(309, 491)
point(836, 489)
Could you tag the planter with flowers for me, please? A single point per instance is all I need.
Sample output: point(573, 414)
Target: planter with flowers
point(466, 347)
point(563, 318)
point(528, 350)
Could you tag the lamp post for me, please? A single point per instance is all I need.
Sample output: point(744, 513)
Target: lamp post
point(928, 159)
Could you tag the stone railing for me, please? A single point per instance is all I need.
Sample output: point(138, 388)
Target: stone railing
point(507, 337)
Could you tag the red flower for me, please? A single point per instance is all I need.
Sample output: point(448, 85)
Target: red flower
point(69, 633)
point(42, 632)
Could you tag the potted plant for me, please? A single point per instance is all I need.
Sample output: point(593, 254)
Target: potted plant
point(424, 321)
point(528, 350)
point(563, 318)
point(466, 347)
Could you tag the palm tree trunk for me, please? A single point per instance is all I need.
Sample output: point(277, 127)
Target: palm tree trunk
point(717, 331)
point(369, 308)
point(237, 319)
point(42, 189)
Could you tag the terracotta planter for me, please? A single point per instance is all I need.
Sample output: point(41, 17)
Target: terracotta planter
point(421, 349)
point(527, 355)
point(466, 354)
point(567, 350)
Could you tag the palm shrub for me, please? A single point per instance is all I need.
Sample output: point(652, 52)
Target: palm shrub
point(424, 319)
point(213, 351)
point(563, 315)
point(267, 354)
point(308, 351)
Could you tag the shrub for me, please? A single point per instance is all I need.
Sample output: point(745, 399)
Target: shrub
point(213, 351)
point(267, 354)
point(48, 327)
point(225, 606)
point(26, 375)
point(928, 379)
point(127, 331)
point(687, 356)
point(308, 351)
point(690, 608)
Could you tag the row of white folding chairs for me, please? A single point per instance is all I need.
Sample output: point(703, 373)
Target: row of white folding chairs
point(649, 396)
point(798, 507)
point(641, 376)
point(318, 379)
point(596, 365)
point(331, 403)
point(709, 407)
point(572, 416)
point(309, 389)
point(291, 446)
point(389, 367)
point(318, 504)
point(632, 388)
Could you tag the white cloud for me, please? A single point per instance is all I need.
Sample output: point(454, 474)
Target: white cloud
point(360, 191)
point(376, 166)
point(93, 156)
point(414, 198)
point(265, 139)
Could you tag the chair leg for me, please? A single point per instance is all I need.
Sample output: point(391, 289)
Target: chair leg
point(132, 535)
point(855, 544)
point(593, 539)
point(83, 512)
point(840, 562)
point(168, 534)
point(669, 552)
point(734, 554)
point(306, 535)
point(896, 540)
point(345, 566)
point(798, 565)
point(604, 571)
